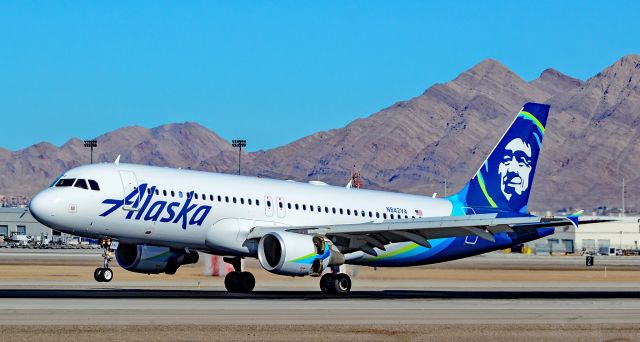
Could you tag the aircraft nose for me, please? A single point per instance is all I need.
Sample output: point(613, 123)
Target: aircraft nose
point(42, 206)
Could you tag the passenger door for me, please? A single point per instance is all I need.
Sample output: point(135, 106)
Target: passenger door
point(268, 206)
point(129, 185)
point(282, 211)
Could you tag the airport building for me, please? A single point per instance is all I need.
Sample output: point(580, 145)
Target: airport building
point(622, 233)
point(17, 224)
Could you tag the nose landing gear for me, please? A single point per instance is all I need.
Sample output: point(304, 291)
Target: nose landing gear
point(238, 281)
point(104, 273)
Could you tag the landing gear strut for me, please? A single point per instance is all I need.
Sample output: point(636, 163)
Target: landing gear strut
point(104, 273)
point(238, 281)
point(335, 283)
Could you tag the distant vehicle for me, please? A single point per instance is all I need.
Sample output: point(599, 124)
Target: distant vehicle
point(162, 216)
point(615, 251)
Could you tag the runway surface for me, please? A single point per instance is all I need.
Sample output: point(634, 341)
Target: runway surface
point(123, 306)
point(171, 315)
point(494, 298)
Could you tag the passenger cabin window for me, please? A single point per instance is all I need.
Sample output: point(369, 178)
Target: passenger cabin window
point(258, 202)
point(196, 196)
point(234, 200)
point(81, 183)
point(94, 185)
point(211, 198)
point(297, 208)
point(164, 192)
point(173, 194)
point(348, 211)
point(219, 198)
point(157, 192)
point(249, 201)
point(341, 212)
point(311, 207)
point(241, 200)
point(289, 205)
point(180, 194)
point(384, 215)
point(226, 199)
point(66, 182)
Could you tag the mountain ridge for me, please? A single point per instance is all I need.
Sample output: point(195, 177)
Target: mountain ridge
point(412, 145)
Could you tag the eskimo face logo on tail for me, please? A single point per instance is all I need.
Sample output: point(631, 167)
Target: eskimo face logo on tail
point(514, 168)
point(186, 214)
point(509, 170)
point(505, 179)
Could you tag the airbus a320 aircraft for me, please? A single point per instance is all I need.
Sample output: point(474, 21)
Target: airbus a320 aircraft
point(161, 217)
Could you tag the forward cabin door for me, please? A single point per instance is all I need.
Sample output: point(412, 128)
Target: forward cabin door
point(129, 185)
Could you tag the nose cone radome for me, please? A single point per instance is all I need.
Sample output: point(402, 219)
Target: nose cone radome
point(42, 206)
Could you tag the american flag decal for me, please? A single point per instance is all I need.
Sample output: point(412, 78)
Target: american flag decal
point(419, 212)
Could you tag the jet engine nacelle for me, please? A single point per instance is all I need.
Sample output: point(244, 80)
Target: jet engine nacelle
point(153, 259)
point(296, 254)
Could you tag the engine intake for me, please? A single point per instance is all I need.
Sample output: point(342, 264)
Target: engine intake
point(296, 254)
point(153, 259)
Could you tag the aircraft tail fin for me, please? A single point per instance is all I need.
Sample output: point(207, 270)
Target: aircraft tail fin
point(505, 178)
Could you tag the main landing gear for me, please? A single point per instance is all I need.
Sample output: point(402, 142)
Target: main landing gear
point(238, 281)
point(335, 283)
point(104, 273)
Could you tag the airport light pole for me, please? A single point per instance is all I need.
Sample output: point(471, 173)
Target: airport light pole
point(239, 144)
point(91, 144)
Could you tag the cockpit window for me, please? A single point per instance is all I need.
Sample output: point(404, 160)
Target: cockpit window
point(94, 185)
point(65, 182)
point(55, 181)
point(82, 184)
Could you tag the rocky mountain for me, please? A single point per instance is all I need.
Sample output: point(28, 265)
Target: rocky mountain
point(414, 145)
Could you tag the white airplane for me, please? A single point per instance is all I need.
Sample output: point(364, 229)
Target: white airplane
point(161, 217)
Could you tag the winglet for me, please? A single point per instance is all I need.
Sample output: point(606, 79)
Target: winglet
point(578, 213)
point(117, 162)
point(574, 220)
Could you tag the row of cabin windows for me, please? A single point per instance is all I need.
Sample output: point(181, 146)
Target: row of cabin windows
point(204, 197)
point(290, 206)
point(341, 211)
point(93, 185)
point(78, 183)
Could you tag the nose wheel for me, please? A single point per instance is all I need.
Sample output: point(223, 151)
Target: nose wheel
point(104, 274)
point(238, 281)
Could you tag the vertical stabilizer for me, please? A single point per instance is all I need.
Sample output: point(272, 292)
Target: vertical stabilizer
point(505, 178)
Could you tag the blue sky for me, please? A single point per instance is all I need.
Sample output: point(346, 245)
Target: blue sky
point(272, 72)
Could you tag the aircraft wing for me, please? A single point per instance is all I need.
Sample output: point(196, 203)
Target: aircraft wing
point(366, 236)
